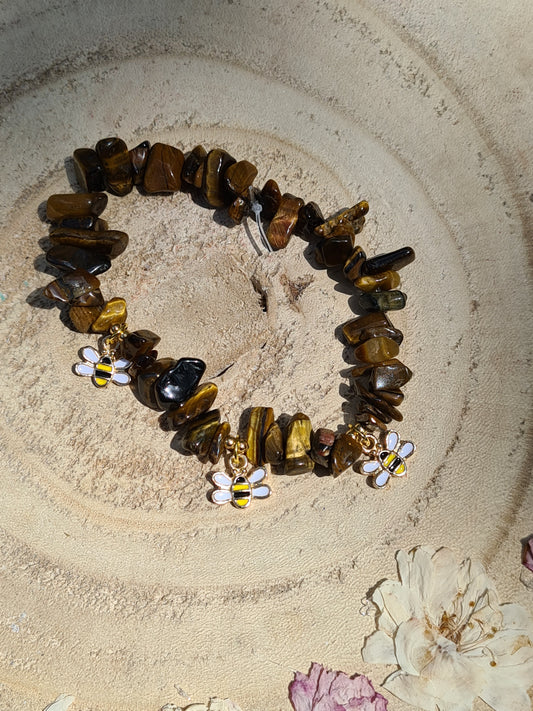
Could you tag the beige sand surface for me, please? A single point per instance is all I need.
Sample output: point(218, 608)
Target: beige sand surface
point(119, 580)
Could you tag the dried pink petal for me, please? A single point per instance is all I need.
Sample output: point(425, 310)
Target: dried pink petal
point(527, 554)
point(325, 690)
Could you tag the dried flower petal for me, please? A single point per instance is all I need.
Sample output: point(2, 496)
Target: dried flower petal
point(527, 554)
point(325, 690)
point(62, 703)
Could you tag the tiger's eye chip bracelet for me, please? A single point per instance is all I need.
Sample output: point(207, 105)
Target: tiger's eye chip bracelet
point(83, 247)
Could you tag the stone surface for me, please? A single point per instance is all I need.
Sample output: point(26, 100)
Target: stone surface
point(163, 169)
point(115, 159)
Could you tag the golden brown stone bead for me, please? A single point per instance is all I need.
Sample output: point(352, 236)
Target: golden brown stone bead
point(383, 408)
point(88, 170)
point(192, 163)
point(384, 280)
point(90, 298)
point(199, 434)
point(144, 382)
point(240, 176)
point(137, 343)
point(393, 397)
point(273, 448)
point(346, 451)
point(139, 159)
point(374, 324)
point(297, 446)
point(383, 300)
point(337, 248)
point(217, 443)
point(309, 217)
point(354, 263)
point(238, 209)
point(370, 419)
point(389, 375)
point(322, 441)
point(284, 221)
point(82, 223)
point(270, 199)
point(391, 260)
point(114, 313)
point(260, 421)
point(108, 242)
point(67, 258)
point(200, 401)
point(75, 205)
point(213, 187)
point(71, 286)
point(351, 216)
point(83, 317)
point(198, 179)
point(376, 350)
point(163, 169)
point(115, 159)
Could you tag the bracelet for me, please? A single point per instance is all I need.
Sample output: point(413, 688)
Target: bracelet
point(82, 247)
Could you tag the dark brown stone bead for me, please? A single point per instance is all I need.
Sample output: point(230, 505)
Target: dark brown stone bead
point(192, 163)
point(273, 448)
point(91, 298)
point(71, 286)
point(68, 258)
point(353, 265)
point(382, 408)
point(391, 260)
point(284, 221)
point(138, 343)
point(260, 421)
point(351, 216)
point(297, 446)
point(198, 180)
point(163, 170)
point(393, 397)
point(383, 300)
point(361, 328)
point(270, 199)
point(199, 402)
point(177, 384)
point(144, 382)
point(337, 248)
point(115, 159)
point(346, 451)
point(88, 169)
point(111, 243)
point(213, 186)
point(371, 420)
point(322, 441)
point(83, 317)
point(139, 159)
point(240, 176)
point(75, 205)
point(309, 217)
point(376, 350)
point(82, 223)
point(238, 210)
point(383, 281)
point(142, 362)
point(390, 375)
point(199, 434)
point(216, 448)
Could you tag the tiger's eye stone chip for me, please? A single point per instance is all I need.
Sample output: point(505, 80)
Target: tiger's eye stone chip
point(113, 313)
point(361, 328)
point(144, 382)
point(284, 221)
point(393, 397)
point(71, 286)
point(68, 258)
point(115, 159)
point(376, 350)
point(337, 248)
point(213, 186)
point(82, 223)
point(240, 176)
point(260, 421)
point(383, 301)
point(383, 408)
point(88, 170)
point(178, 383)
point(322, 441)
point(163, 170)
point(139, 159)
point(216, 447)
point(75, 205)
point(238, 210)
point(391, 260)
point(273, 448)
point(384, 280)
point(111, 243)
point(297, 446)
point(199, 402)
point(351, 216)
point(83, 317)
point(193, 161)
point(354, 263)
point(346, 451)
point(309, 217)
point(270, 199)
point(199, 434)
point(390, 375)
point(138, 343)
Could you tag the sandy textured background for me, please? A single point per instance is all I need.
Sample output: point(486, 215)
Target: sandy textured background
point(119, 581)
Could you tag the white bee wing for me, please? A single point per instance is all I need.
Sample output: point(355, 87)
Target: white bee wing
point(392, 440)
point(122, 363)
point(84, 369)
point(90, 355)
point(255, 476)
point(370, 467)
point(261, 492)
point(381, 479)
point(406, 449)
point(221, 480)
point(221, 496)
point(121, 378)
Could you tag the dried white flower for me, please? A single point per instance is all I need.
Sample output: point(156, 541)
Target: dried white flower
point(62, 703)
point(442, 624)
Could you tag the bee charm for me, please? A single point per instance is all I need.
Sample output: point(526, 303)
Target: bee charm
point(103, 368)
point(389, 460)
point(240, 489)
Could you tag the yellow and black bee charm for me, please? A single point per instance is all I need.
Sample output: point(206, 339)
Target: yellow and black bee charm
point(389, 460)
point(103, 368)
point(240, 486)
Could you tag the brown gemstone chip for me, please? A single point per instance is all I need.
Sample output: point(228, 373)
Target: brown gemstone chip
point(390, 375)
point(337, 248)
point(383, 408)
point(115, 159)
point(260, 421)
point(111, 243)
point(297, 446)
point(376, 350)
point(199, 434)
point(273, 448)
point(309, 217)
point(163, 169)
point(217, 443)
point(240, 176)
point(75, 205)
point(88, 170)
point(214, 188)
point(139, 159)
point(346, 451)
point(383, 280)
point(83, 317)
point(352, 216)
point(270, 199)
point(238, 210)
point(72, 286)
point(393, 397)
point(138, 343)
point(322, 440)
point(144, 382)
point(362, 328)
point(193, 161)
point(284, 221)
point(114, 313)
point(354, 263)
point(199, 402)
